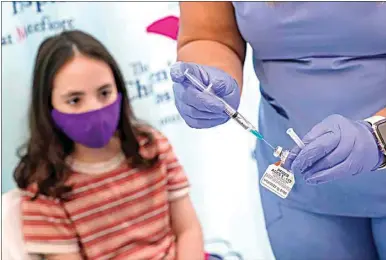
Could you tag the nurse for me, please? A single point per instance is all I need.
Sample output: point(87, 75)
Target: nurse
point(322, 70)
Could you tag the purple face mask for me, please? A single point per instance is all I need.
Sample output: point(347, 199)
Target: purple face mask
point(93, 129)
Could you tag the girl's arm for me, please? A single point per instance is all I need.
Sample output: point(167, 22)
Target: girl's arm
point(187, 228)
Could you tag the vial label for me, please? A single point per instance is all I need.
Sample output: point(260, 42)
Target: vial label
point(278, 180)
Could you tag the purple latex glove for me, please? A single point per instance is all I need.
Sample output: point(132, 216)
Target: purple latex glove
point(198, 109)
point(335, 148)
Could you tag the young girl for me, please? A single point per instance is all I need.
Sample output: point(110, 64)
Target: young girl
point(96, 184)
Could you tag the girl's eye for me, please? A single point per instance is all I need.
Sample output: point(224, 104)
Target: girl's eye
point(105, 93)
point(73, 101)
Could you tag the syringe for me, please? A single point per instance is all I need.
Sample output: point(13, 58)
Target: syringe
point(230, 111)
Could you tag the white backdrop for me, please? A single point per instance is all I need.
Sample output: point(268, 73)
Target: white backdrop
point(141, 37)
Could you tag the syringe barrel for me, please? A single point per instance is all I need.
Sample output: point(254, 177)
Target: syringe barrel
point(196, 82)
point(229, 110)
point(232, 113)
point(242, 121)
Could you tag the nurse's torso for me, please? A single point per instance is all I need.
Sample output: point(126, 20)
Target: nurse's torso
point(314, 60)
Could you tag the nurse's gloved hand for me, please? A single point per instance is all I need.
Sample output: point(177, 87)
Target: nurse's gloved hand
point(198, 109)
point(335, 148)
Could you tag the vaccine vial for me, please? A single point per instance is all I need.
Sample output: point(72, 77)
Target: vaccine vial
point(279, 152)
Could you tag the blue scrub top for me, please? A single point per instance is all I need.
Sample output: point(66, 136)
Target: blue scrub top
point(314, 59)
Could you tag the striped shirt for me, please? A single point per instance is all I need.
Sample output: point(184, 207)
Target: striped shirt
point(113, 212)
